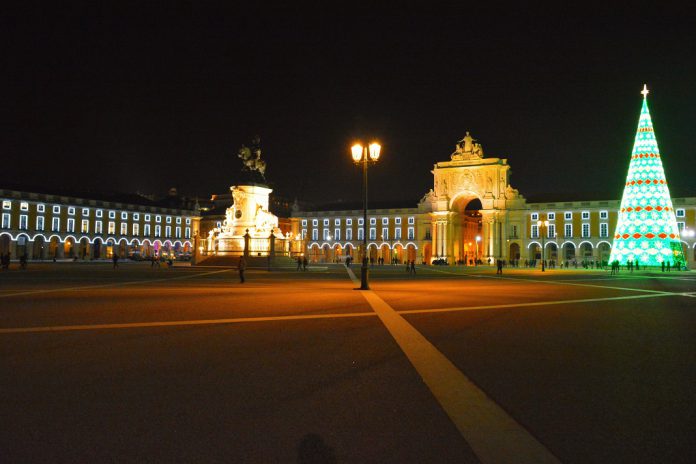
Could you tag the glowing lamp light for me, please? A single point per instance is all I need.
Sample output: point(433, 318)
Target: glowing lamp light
point(374, 151)
point(357, 152)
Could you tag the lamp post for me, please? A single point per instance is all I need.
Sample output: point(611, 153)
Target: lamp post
point(478, 239)
point(363, 155)
point(543, 225)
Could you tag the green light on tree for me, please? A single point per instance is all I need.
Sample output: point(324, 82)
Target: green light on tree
point(646, 230)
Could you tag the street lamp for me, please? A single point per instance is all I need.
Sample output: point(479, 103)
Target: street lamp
point(543, 225)
point(363, 155)
point(478, 239)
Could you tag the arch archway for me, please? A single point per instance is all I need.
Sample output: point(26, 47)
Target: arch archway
point(585, 251)
point(84, 248)
point(39, 248)
point(514, 251)
point(467, 227)
point(427, 253)
point(534, 251)
point(568, 251)
point(603, 252)
point(337, 253)
point(314, 253)
point(551, 251)
point(397, 253)
point(5, 242)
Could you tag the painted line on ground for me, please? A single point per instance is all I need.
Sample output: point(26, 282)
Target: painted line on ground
point(566, 282)
point(138, 325)
point(114, 284)
point(493, 435)
point(535, 303)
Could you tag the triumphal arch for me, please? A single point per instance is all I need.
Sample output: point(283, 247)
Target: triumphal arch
point(460, 232)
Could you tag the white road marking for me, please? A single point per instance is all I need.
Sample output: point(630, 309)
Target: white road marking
point(115, 284)
point(494, 436)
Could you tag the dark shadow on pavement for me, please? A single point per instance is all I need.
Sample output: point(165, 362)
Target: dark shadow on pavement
point(313, 450)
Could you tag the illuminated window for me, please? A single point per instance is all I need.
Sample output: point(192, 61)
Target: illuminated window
point(304, 234)
point(177, 232)
point(6, 204)
point(552, 231)
point(411, 233)
point(315, 222)
point(385, 233)
point(5, 220)
point(136, 216)
point(326, 222)
point(535, 216)
point(551, 216)
point(85, 212)
point(513, 231)
point(361, 233)
point(71, 210)
point(124, 228)
point(325, 234)
point(111, 228)
point(680, 226)
point(84, 227)
point(337, 234)
point(158, 231)
point(603, 215)
point(411, 220)
point(385, 221)
point(315, 234)
point(124, 215)
point(373, 233)
point(585, 230)
point(569, 230)
point(40, 223)
point(304, 223)
point(24, 206)
point(55, 224)
point(604, 229)
point(112, 214)
point(168, 231)
point(158, 218)
point(535, 231)
point(397, 233)
point(568, 215)
point(585, 215)
point(40, 208)
point(56, 209)
point(397, 220)
point(187, 232)
point(147, 217)
point(136, 229)
point(99, 213)
point(98, 227)
point(169, 219)
point(337, 222)
point(146, 230)
point(349, 234)
point(188, 221)
point(361, 221)
point(681, 212)
point(23, 220)
point(349, 222)
point(178, 220)
point(373, 221)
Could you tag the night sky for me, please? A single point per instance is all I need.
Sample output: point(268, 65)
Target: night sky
point(123, 100)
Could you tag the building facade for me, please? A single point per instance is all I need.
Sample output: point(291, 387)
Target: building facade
point(45, 226)
point(473, 213)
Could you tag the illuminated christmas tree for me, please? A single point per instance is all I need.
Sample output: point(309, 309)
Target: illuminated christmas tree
point(646, 230)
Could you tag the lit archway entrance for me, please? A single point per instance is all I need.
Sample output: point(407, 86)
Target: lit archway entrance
point(468, 227)
point(534, 251)
point(552, 251)
point(603, 252)
point(38, 248)
point(586, 251)
point(5, 240)
point(338, 253)
point(397, 253)
point(385, 253)
point(427, 252)
point(314, 253)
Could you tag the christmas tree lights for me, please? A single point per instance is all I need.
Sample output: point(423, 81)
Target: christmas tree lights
point(646, 230)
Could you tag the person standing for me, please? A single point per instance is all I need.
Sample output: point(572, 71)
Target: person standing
point(413, 266)
point(241, 266)
point(115, 260)
point(299, 263)
point(304, 263)
point(500, 267)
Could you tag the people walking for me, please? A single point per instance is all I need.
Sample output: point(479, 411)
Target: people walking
point(241, 267)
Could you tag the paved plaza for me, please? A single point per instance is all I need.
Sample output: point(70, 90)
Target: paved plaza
point(186, 364)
